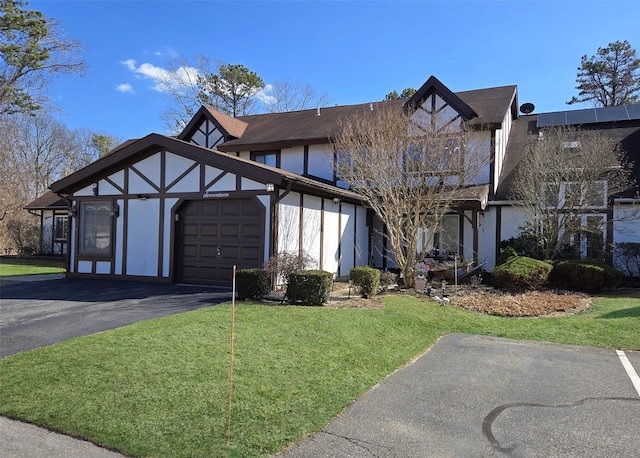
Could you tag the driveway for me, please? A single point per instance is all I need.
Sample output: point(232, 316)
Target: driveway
point(36, 314)
point(477, 396)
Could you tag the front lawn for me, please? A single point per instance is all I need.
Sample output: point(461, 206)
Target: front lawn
point(11, 266)
point(159, 387)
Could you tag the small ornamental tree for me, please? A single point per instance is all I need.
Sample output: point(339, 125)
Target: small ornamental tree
point(410, 167)
point(565, 175)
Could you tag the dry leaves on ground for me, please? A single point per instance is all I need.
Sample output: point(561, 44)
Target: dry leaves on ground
point(494, 302)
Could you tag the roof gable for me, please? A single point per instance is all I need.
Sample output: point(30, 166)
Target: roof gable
point(228, 126)
point(433, 85)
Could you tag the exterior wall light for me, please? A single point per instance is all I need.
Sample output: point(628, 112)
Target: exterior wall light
point(336, 200)
point(270, 187)
point(73, 211)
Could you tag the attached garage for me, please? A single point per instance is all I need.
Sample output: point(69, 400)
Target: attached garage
point(214, 235)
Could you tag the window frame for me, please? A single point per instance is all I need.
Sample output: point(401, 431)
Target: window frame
point(107, 224)
point(254, 155)
point(65, 227)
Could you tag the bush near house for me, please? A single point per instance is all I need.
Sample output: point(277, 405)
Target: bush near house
point(521, 272)
point(310, 287)
point(507, 253)
point(252, 283)
point(366, 280)
point(582, 275)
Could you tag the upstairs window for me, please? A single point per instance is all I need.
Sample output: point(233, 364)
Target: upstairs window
point(575, 195)
point(271, 158)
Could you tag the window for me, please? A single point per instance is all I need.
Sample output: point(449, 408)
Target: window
point(266, 157)
point(573, 195)
point(96, 226)
point(60, 227)
point(445, 242)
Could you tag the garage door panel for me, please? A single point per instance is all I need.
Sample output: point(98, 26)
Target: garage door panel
point(216, 235)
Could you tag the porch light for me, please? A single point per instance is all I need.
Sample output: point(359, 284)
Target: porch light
point(114, 212)
point(270, 187)
point(73, 211)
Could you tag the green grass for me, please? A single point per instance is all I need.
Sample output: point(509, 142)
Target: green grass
point(159, 388)
point(10, 266)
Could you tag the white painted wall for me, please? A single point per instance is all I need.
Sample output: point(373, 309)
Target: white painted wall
point(289, 223)
point(487, 237)
point(626, 228)
point(362, 237)
point(119, 240)
point(321, 161)
point(311, 227)
point(292, 159)
point(143, 237)
point(331, 236)
point(347, 237)
point(169, 205)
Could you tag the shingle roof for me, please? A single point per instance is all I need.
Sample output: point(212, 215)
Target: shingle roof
point(524, 131)
point(48, 201)
point(278, 130)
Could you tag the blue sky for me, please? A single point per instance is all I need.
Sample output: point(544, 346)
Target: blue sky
point(355, 52)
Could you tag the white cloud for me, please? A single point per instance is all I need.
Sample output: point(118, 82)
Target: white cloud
point(164, 79)
point(125, 87)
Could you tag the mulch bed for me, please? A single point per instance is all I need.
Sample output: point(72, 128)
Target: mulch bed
point(493, 302)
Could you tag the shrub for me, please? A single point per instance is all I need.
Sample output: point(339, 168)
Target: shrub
point(366, 280)
point(507, 253)
point(283, 264)
point(584, 275)
point(521, 272)
point(387, 278)
point(252, 283)
point(310, 287)
point(628, 254)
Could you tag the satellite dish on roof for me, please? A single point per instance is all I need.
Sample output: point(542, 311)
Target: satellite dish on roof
point(527, 108)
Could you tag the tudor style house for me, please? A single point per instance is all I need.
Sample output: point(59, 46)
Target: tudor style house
point(234, 191)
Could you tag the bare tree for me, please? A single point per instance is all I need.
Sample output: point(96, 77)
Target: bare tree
point(409, 169)
point(34, 50)
point(36, 150)
point(286, 95)
point(565, 183)
point(181, 85)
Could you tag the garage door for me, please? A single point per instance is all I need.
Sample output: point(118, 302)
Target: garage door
point(215, 235)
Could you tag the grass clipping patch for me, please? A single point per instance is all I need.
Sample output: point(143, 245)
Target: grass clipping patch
point(530, 303)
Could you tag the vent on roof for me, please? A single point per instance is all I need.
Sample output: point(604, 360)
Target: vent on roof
point(318, 111)
point(371, 107)
point(527, 108)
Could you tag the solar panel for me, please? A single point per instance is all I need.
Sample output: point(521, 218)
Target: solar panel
point(633, 111)
point(555, 118)
point(587, 116)
point(610, 114)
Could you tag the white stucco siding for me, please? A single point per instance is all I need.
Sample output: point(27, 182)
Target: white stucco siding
point(467, 236)
point(479, 149)
point(249, 185)
point(311, 227)
point(362, 237)
point(176, 165)
point(321, 161)
point(501, 140)
point(143, 237)
point(150, 168)
point(289, 223)
point(103, 267)
point(331, 237)
point(626, 228)
point(189, 183)
point(292, 159)
point(168, 222)
point(512, 219)
point(107, 189)
point(266, 203)
point(347, 238)
point(138, 185)
point(487, 237)
point(119, 239)
point(226, 183)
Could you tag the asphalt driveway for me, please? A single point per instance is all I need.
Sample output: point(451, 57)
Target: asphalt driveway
point(37, 314)
point(478, 396)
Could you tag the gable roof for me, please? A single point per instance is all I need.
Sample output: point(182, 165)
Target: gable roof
point(432, 85)
point(151, 143)
point(48, 201)
point(307, 127)
point(233, 127)
point(524, 132)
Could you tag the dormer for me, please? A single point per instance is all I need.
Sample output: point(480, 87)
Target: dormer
point(208, 128)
